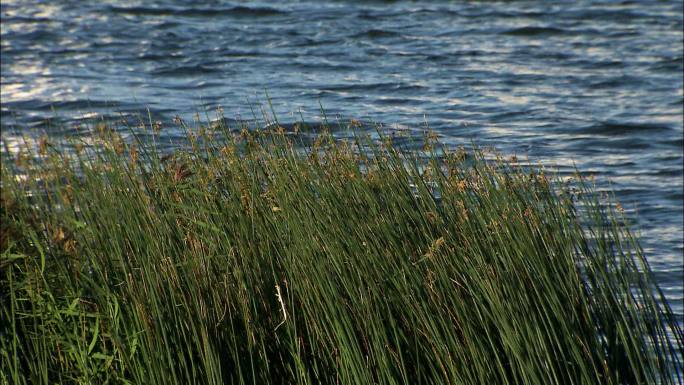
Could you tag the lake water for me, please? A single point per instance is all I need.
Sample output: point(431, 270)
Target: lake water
point(597, 83)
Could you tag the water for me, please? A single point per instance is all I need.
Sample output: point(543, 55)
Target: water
point(596, 83)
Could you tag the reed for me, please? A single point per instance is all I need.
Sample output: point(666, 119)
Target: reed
point(268, 257)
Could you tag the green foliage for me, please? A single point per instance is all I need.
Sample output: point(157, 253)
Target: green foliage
point(272, 257)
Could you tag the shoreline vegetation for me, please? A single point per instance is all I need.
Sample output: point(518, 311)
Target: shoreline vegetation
point(274, 257)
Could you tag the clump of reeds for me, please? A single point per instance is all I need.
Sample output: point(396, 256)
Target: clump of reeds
point(257, 258)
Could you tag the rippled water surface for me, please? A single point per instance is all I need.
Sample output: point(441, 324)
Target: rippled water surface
point(591, 82)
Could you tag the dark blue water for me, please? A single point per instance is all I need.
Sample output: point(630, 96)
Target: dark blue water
point(596, 83)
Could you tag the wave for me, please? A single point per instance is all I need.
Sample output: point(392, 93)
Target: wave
point(198, 12)
point(535, 31)
point(62, 105)
point(376, 34)
point(189, 70)
point(623, 128)
point(373, 87)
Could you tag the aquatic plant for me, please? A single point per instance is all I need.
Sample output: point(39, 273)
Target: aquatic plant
point(259, 257)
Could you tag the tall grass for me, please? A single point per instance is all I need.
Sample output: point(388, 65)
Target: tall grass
point(260, 258)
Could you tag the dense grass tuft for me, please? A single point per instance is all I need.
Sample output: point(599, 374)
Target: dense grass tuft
point(254, 258)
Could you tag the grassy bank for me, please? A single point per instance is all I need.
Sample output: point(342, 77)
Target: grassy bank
point(253, 258)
